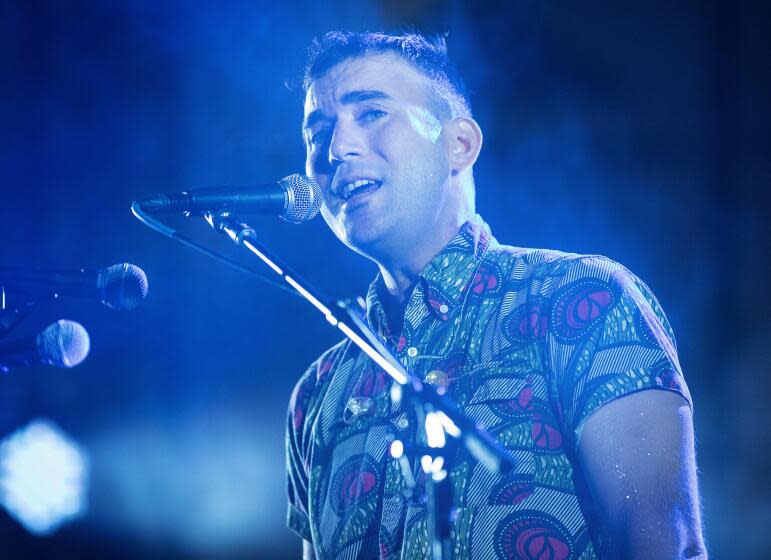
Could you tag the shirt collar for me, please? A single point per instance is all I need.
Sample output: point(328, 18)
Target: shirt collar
point(444, 282)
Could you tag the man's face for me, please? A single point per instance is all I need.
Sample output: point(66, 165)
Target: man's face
point(375, 146)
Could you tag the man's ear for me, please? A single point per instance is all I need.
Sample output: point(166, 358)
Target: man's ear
point(465, 141)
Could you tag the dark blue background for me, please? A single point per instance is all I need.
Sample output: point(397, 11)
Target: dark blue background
point(635, 131)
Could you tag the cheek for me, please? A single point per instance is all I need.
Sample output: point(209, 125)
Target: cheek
point(334, 223)
point(425, 124)
point(312, 162)
point(403, 146)
point(420, 165)
point(317, 168)
point(389, 136)
point(317, 158)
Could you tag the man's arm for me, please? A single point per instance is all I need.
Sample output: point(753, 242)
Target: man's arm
point(308, 553)
point(637, 454)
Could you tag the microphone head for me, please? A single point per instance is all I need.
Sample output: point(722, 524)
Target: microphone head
point(303, 198)
point(63, 344)
point(122, 286)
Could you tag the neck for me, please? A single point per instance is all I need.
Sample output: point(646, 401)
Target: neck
point(399, 282)
point(402, 272)
point(401, 267)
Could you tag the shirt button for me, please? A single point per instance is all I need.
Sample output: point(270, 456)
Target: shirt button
point(402, 423)
point(412, 351)
point(443, 308)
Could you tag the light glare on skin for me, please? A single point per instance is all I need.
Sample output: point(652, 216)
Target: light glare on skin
point(425, 123)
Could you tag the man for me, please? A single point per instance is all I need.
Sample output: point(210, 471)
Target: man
point(567, 360)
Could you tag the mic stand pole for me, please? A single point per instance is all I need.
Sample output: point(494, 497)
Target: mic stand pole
point(441, 415)
point(13, 310)
point(440, 489)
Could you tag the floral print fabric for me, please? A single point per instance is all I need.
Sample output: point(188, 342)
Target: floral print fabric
point(529, 343)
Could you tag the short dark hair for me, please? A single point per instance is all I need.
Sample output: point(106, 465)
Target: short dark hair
point(427, 54)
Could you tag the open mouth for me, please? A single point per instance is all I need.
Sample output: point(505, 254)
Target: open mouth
point(359, 188)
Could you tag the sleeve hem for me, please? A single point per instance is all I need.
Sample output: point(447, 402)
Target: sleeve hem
point(298, 523)
point(580, 428)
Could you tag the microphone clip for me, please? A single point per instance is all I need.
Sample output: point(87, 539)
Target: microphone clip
point(232, 226)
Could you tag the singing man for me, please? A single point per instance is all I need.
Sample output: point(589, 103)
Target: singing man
point(567, 360)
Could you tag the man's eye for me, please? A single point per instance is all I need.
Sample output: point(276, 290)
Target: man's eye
point(319, 137)
point(371, 115)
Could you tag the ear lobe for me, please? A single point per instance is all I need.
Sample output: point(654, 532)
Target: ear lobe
point(465, 143)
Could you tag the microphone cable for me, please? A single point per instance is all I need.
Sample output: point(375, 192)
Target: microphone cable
point(171, 233)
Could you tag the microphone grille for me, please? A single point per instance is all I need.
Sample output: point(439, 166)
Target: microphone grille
point(63, 344)
point(303, 198)
point(122, 286)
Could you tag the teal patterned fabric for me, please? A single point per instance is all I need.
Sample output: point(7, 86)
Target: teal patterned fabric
point(529, 343)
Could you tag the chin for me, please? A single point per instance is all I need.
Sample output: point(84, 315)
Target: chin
point(362, 243)
point(362, 238)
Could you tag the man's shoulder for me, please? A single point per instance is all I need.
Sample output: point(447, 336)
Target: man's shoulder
point(320, 368)
point(548, 274)
point(521, 263)
point(313, 381)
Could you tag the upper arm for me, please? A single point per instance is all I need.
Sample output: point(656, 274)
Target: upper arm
point(297, 450)
point(304, 406)
point(637, 456)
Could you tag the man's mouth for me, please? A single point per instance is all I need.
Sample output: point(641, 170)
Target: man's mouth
point(358, 188)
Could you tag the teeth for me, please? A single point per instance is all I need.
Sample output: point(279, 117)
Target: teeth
point(348, 188)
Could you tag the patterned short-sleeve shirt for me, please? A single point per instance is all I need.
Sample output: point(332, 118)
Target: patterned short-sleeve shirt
point(529, 343)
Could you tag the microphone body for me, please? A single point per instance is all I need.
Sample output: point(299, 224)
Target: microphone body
point(295, 198)
point(62, 344)
point(120, 286)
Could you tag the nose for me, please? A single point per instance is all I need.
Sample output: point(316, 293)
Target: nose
point(347, 142)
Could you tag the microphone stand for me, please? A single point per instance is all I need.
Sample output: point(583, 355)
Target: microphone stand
point(442, 416)
point(14, 310)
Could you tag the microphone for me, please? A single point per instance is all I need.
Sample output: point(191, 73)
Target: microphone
point(121, 286)
point(62, 344)
point(295, 198)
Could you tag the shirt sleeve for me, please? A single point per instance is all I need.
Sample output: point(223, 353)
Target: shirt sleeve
point(608, 338)
point(297, 454)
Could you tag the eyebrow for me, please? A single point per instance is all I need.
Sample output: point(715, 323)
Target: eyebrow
point(359, 95)
point(350, 98)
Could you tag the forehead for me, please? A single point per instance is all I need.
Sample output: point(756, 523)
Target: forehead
point(384, 72)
